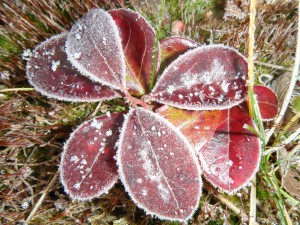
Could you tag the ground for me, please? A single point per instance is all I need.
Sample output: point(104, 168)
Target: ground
point(34, 128)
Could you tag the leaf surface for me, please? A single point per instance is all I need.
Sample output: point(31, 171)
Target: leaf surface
point(205, 78)
point(87, 168)
point(231, 158)
point(197, 126)
point(94, 47)
point(137, 37)
point(49, 71)
point(267, 102)
point(158, 166)
point(171, 48)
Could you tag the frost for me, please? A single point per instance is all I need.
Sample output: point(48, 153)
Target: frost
point(180, 96)
point(77, 185)
point(76, 55)
point(108, 133)
point(84, 162)
point(96, 124)
point(78, 36)
point(74, 158)
point(225, 86)
point(26, 55)
point(54, 65)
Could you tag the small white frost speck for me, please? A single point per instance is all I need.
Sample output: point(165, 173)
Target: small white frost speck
point(25, 205)
point(102, 144)
point(170, 89)
point(197, 127)
point(239, 195)
point(238, 95)
point(144, 192)
point(95, 138)
point(191, 94)
point(230, 163)
point(80, 27)
point(96, 124)
point(26, 54)
point(76, 55)
point(139, 180)
point(211, 88)
point(108, 114)
point(84, 162)
point(158, 133)
point(180, 96)
point(171, 153)
point(91, 187)
point(207, 128)
point(74, 158)
point(108, 133)
point(240, 167)
point(78, 36)
point(224, 86)
point(165, 145)
point(77, 185)
point(245, 126)
point(163, 132)
point(54, 65)
point(153, 128)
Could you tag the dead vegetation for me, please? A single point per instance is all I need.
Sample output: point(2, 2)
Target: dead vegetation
point(34, 128)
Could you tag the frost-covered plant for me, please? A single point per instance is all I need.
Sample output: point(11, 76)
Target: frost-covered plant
point(191, 122)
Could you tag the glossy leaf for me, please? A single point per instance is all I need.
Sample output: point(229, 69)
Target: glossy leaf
point(88, 168)
point(171, 48)
point(94, 47)
point(231, 158)
point(49, 71)
point(158, 166)
point(267, 102)
point(137, 37)
point(205, 78)
point(197, 126)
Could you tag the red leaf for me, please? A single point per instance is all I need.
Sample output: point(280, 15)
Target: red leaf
point(137, 37)
point(208, 77)
point(158, 167)
point(171, 48)
point(231, 158)
point(87, 167)
point(197, 126)
point(267, 102)
point(94, 48)
point(49, 71)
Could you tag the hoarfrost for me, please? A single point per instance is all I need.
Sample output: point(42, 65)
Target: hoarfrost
point(54, 65)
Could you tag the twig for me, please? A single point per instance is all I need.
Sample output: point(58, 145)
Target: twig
point(288, 95)
point(272, 66)
point(17, 89)
point(40, 201)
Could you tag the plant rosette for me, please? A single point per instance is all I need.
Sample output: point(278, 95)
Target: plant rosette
point(197, 127)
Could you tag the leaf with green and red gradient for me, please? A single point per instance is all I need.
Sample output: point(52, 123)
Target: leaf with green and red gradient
point(94, 47)
point(205, 78)
point(171, 48)
point(197, 126)
point(158, 166)
point(49, 71)
point(137, 37)
point(88, 168)
point(267, 102)
point(231, 157)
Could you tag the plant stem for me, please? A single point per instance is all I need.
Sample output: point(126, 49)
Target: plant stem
point(293, 81)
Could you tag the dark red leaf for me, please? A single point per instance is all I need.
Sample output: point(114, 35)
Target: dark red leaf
point(171, 48)
point(208, 77)
point(158, 166)
point(231, 158)
point(267, 102)
point(137, 37)
point(197, 126)
point(94, 47)
point(87, 167)
point(49, 71)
